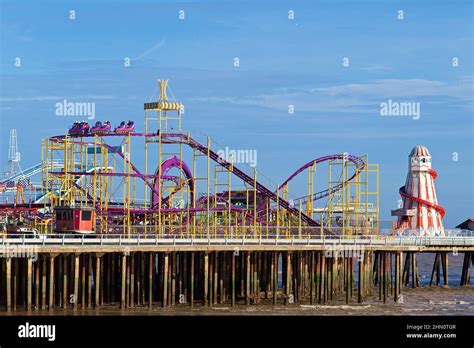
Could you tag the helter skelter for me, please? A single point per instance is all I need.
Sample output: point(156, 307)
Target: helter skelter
point(420, 214)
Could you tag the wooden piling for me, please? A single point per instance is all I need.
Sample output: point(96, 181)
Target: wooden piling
point(256, 278)
point(43, 282)
point(348, 279)
point(65, 276)
point(466, 269)
point(131, 282)
point(123, 283)
point(89, 280)
point(397, 277)
point(215, 281)
point(15, 272)
point(322, 278)
point(435, 270)
point(445, 268)
point(311, 277)
point(112, 270)
point(385, 275)
point(9, 283)
point(191, 280)
point(206, 278)
point(381, 275)
point(288, 278)
point(76, 281)
point(37, 281)
point(127, 279)
point(165, 280)
point(413, 270)
point(406, 269)
point(232, 301)
point(247, 283)
point(173, 278)
point(275, 276)
point(29, 285)
point(83, 279)
point(334, 276)
point(307, 275)
point(376, 269)
point(102, 281)
point(97, 284)
point(360, 287)
point(150, 280)
point(184, 276)
point(222, 276)
point(51, 282)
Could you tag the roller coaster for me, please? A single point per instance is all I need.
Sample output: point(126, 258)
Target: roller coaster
point(194, 190)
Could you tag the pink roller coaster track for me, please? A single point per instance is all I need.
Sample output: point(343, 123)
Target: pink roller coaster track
point(357, 161)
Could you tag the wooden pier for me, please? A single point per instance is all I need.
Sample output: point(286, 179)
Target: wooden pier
point(71, 272)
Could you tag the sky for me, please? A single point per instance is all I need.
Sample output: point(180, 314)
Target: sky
point(335, 62)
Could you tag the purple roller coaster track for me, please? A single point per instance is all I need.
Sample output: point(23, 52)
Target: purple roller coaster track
point(174, 162)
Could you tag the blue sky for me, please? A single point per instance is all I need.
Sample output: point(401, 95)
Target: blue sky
point(282, 62)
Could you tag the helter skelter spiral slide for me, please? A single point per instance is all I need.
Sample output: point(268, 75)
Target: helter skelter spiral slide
point(420, 213)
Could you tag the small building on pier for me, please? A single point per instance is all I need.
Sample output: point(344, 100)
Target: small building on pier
point(467, 225)
point(75, 219)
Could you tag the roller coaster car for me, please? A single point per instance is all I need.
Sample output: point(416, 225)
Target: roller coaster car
point(75, 220)
point(100, 128)
point(125, 127)
point(79, 128)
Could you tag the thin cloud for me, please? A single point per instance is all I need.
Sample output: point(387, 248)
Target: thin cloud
point(151, 49)
point(55, 98)
point(357, 97)
point(18, 32)
point(410, 88)
point(376, 68)
point(364, 135)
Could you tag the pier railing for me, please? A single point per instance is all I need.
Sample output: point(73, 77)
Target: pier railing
point(183, 240)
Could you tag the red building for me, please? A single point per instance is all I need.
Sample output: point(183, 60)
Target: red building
point(75, 219)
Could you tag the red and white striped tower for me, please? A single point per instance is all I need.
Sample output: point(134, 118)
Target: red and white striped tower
point(421, 211)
